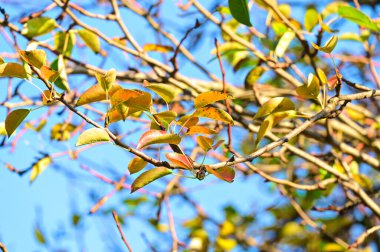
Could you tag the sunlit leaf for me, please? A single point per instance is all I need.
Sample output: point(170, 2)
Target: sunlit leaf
point(208, 98)
point(364, 181)
point(90, 39)
point(332, 8)
point(136, 165)
point(188, 121)
point(106, 80)
point(277, 104)
point(12, 69)
point(322, 76)
point(265, 127)
point(61, 131)
point(59, 65)
point(117, 113)
point(38, 26)
point(311, 89)
point(96, 93)
point(47, 97)
point(329, 46)
point(93, 135)
point(36, 58)
point(148, 177)
point(284, 43)
point(225, 173)
point(179, 160)
point(157, 137)
point(166, 92)
point(354, 15)
point(311, 19)
point(239, 10)
point(64, 42)
point(136, 100)
point(3, 131)
point(214, 113)
point(197, 129)
point(14, 119)
point(1, 61)
point(253, 76)
point(205, 142)
point(49, 74)
point(39, 167)
point(164, 118)
point(157, 48)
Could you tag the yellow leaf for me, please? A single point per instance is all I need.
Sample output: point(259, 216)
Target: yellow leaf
point(214, 113)
point(39, 167)
point(208, 98)
point(157, 48)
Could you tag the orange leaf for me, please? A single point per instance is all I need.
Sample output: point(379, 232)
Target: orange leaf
point(208, 98)
point(95, 94)
point(179, 160)
point(197, 129)
point(157, 137)
point(225, 173)
point(205, 143)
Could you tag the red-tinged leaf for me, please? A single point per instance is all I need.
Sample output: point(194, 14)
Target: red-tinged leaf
point(148, 177)
point(12, 69)
point(197, 129)
point(95, 94)
point(14, 119)
point(157, 48)
point(332, 82)
point(136, 165)
point(217, 144)
point(157, 137)
point(205, 143)
point(214, 113)
point(225, 173)
point(188, 121)
point(36, 58)
point(179, 160)
point(136, 100)
point(49, 74)
point(93, 135)
point(208, 98)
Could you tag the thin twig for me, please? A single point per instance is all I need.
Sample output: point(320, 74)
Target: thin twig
point(116, 218)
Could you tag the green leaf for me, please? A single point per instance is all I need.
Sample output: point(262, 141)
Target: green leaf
point(277, 104)
point(354, 15)
point(239, 10)
point(311, 19)
point(59, 65)
point(265, 127)
point(205, 142)
point(179, 160)
point(38, 26)
point(157, 137)
point(332, 8)
point(253, 76)
point(329, 46)
point(225, 173)
point(284, 43)
point(14, 119)
point(166, 92)
point(64, 42)
point(96, 93)
point(36, 58)
point(136, 165)
point(39, 236)
point(148, 177)
point(12, 69)
point(311, 89)
point(214, 113)
point(93, 135)
point(90, 39)
point(107, 80)
point(164, 118)
point(209, 97)
point(39, 167)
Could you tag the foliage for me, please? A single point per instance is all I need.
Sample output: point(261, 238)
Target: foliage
point(290, 88)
